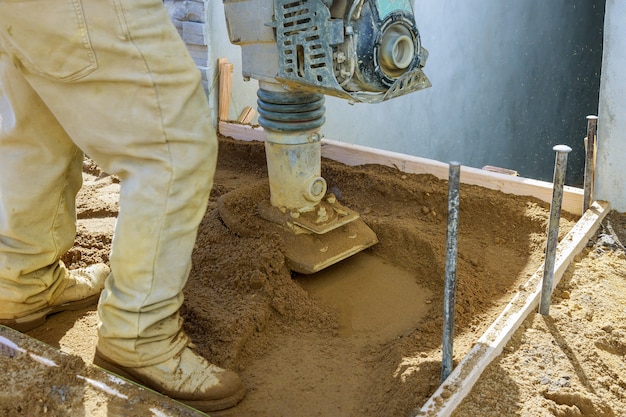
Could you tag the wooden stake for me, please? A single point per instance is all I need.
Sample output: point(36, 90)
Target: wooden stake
point(226, 80)
point(246, 115)
point(590, 160)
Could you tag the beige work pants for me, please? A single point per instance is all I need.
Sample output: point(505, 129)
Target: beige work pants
point(111, 78)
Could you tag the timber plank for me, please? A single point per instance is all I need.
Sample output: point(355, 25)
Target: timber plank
point(351, 154)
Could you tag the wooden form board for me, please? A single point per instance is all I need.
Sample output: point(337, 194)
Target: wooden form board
point(350, 154)
point(460, 382)
point(107, 386)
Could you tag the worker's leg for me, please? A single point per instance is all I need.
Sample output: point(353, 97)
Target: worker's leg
point(131, 99)
point(121, 83)
point(40, 174)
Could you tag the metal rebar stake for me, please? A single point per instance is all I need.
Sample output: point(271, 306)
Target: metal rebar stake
point(560, 166)
point(450, 280)
point(590, 161)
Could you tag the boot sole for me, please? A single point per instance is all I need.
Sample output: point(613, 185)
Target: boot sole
point(34, 320)
point(201, 405)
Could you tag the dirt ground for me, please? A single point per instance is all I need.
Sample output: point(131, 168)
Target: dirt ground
point(363, 337)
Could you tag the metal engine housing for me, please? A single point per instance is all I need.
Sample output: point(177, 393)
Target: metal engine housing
point(363, 51)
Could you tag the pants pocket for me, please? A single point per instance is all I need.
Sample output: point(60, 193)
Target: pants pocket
point(49, 37)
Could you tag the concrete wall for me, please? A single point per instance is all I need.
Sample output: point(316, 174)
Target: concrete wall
point(510, 80)
point(611, 166)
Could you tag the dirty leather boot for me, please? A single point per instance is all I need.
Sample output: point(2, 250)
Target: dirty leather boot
point(187, 377)
point(82, 290)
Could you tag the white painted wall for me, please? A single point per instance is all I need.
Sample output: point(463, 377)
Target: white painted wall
point(611, 162)
point(510, 80)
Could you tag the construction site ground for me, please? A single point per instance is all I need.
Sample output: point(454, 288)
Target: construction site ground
point(364, 338)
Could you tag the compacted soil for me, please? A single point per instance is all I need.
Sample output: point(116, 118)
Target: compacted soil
point(362, 338)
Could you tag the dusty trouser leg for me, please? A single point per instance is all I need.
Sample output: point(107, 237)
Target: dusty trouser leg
point(40, 174)
point(123, 86)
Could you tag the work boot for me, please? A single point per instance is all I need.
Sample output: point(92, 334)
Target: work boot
point(82, 290)
point(187, 377)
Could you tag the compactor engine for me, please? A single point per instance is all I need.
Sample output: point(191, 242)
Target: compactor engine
point(300, 50)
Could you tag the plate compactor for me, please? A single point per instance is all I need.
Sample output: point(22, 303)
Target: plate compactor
point(365, 51)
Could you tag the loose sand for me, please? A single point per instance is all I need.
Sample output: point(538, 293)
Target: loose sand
point(364, 337)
